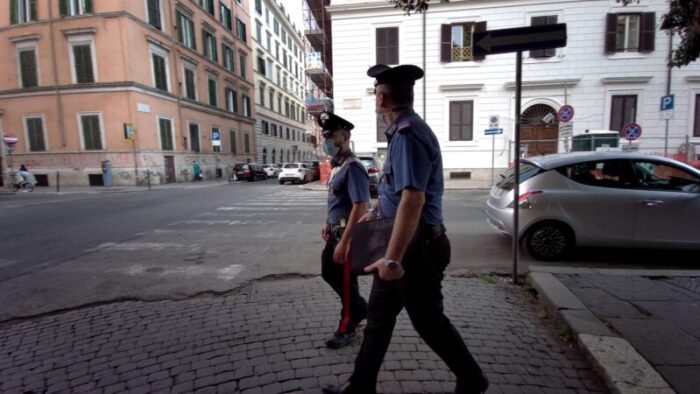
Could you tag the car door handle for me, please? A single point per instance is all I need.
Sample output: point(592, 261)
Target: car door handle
point(651, 203)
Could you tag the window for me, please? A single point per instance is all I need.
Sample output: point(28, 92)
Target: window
point(696, 128)
point(22, 11)
point(267, 16)
point(287, 134)
point(246, 141)
point(90, 131)
point(213, 96)
point(268, 69)
point(277, 50)
point(265, 127)
point(74, 7)
point(194, 137)
point(456, 42)
point(461, 120)
point(246, 105)
point(258, 6)
point(269, 41)
point(242, 64)
point(231, 100)
point(272, 103)
point(232, 141)
point(609, 173)
point(240, 30)
point(387, 48)
point(653, 175)
point(34, 127)
point(284, 36)
point(225, 16)
point(160, 72)
point(190, 82)
point(153, 8)
point(623, 111)
point(82, 62)
point(276, 26)
point(210, 51)
point(279, 101)
point(215, 139)
point(630, 32)
point(258, 32)
point(538, 21)
point(284, 58)
point(185, 31)
point(274, 130)
point(165, 127)
point(261, 93)
point(227, 54)
point(261, 65)
point(28, 68)
point(208, 6)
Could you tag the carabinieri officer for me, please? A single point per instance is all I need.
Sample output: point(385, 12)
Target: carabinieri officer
point(348, 201)
point(411, 273)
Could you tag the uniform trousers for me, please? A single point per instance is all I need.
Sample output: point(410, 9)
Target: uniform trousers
point(420, 292)
point(344, 283)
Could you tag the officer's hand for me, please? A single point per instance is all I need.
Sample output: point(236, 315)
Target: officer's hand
point(368, 216)
point(384, 272)
point(326, 231)
point(340, 254)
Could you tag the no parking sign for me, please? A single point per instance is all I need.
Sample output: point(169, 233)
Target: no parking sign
point(631, 131)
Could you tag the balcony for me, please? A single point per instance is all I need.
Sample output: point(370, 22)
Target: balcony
point(317, 71)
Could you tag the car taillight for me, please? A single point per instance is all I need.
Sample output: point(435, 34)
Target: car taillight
point(373, 170)
point(524, 200)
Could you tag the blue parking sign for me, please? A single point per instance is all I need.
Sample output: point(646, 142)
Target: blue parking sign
point(667, 102)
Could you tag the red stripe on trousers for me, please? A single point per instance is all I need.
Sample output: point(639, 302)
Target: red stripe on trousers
point(345, 322)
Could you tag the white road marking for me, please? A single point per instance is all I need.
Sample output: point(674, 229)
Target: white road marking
point(137, 246)
point(226, 273)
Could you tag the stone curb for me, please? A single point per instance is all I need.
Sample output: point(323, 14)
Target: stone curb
point(623, 369)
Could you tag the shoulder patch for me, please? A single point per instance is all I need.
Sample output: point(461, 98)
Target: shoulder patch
point(404, 127)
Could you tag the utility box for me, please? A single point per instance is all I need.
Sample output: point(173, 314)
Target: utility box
point(106, 173)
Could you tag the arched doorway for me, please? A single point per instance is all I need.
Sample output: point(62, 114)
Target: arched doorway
point(539, 132)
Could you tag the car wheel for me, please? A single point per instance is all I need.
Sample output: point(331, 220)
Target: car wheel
point(549, 241)
point(281, 182)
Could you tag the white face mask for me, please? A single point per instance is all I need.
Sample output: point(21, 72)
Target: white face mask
point(330, 147)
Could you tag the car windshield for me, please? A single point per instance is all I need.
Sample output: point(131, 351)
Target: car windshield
point(240, 167)
point(527, 171)
point(367, 162)
point(291, 166)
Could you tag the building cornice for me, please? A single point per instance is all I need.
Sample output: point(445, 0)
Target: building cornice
point(337, 9)
point(82, 31)
point(25, 38)
point(625, 80)
point(461, 88)
point(547, 83)
point(692, 78)
point(121, 87)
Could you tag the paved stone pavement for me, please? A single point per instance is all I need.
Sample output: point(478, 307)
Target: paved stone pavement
point(658, 313)
point(268, 338)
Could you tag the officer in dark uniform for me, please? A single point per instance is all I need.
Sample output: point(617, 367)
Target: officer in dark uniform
point(411, 272)
point(348, 201)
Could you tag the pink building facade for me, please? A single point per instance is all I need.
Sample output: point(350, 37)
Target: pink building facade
point(138, 85)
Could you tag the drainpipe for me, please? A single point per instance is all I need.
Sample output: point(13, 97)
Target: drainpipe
point(59, 101)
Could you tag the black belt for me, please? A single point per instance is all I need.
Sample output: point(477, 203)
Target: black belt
point(432, 231)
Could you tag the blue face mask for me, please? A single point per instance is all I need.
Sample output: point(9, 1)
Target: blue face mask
point(330, 148)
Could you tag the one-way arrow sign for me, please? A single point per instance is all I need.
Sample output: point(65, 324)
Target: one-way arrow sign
point(529, 38)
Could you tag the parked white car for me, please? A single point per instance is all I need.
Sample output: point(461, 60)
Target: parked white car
point(271, 170)
point(295, 173)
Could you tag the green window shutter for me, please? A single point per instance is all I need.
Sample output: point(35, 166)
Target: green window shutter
point(154, 14)
point(212, 92)
point(189, 84)
point(88, 6)
point(14, 18)
point(32, 10)
point(36, 135)
point(62, 7)
point(194, 137)
point(160, 73)
point(91, 132)
point(83, 64)
point(28, 64)
point(166, 136)
point(180, 28)
point(232, 140)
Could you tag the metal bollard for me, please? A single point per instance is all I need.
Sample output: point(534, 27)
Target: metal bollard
point(58, 182)
point(148, 178)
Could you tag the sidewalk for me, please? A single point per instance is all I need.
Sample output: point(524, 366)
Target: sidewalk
point(120, 189)
point(641, 328)
point(268, 337)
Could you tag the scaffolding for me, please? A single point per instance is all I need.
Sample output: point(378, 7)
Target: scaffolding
point(319, 57)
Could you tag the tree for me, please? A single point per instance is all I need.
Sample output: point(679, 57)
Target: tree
point(682, 19)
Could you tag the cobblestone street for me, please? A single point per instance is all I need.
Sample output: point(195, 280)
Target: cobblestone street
point(269, 338)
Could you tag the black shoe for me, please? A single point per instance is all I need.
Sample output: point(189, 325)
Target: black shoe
point(466, 388)
point(345, 388)
point(338, 340)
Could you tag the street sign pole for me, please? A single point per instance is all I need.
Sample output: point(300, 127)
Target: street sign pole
point(493, 158)
point(516, 163)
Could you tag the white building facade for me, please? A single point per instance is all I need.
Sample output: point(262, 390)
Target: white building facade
point(278, 44)
point(612, 71)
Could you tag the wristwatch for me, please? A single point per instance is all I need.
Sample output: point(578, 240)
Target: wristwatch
point(391, 264)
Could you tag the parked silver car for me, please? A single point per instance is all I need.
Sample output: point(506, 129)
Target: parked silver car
point(614, 199)
point(374, 166)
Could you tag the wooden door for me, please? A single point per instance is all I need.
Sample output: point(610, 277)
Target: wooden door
point(169, 169)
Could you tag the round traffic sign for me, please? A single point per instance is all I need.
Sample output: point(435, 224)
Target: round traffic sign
point(565, 113)
point(10, 139)
point(631, 131)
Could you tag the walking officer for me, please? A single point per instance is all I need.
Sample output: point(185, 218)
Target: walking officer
point(348, 201)
point(411, 272)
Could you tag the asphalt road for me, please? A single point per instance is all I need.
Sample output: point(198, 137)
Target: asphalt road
point(63, 251)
